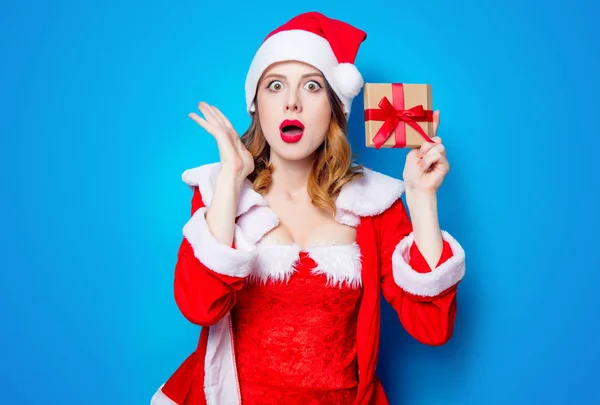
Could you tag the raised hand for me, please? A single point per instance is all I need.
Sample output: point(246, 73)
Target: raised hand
point(234, 155)
point(427, 166)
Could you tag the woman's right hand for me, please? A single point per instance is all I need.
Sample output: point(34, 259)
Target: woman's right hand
point(236, 159)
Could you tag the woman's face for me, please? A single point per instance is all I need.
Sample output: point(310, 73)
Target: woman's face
point(294, 109)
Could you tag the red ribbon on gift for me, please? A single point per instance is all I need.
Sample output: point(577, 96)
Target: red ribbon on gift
point(394, 114)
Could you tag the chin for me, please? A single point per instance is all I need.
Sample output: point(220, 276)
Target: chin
point(293, 152)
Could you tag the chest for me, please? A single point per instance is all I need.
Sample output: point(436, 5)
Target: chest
point(343, 257)
point(304, 224)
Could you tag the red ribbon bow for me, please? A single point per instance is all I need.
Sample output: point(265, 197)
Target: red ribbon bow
point(392, 116)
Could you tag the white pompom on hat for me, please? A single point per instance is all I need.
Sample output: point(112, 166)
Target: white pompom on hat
point(327, 44)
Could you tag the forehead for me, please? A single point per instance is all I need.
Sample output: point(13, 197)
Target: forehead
point(291, 68)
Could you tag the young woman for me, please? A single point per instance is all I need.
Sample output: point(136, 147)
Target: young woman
point(290, 243)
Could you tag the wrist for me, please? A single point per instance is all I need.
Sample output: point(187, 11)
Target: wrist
point(231, 178)
point(416, 194)
point(421, 202)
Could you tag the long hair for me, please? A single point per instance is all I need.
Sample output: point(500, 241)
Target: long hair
point(333, 166)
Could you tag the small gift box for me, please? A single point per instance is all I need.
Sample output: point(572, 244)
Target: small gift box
point(398, 115)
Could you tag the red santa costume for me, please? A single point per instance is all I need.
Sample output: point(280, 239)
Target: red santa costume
point(283, 324)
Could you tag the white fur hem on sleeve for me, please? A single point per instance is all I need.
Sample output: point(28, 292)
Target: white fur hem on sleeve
point(213, 254)
point(432, 283)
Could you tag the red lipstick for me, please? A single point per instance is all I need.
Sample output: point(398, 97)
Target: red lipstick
point(291, 131)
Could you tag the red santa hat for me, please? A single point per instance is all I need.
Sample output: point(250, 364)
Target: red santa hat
point(327, 44)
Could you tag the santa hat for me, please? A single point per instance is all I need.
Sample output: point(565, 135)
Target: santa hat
point(327, 44)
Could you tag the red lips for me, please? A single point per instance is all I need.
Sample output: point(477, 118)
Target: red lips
point(291, 130)
point(294, 123)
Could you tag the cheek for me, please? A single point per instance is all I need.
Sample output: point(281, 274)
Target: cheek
point(322, 116)
point(268, 115)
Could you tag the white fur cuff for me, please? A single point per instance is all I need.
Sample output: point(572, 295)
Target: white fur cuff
point(432, 283)
point(215, 255)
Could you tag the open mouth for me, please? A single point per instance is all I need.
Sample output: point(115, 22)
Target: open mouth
point(291, 130)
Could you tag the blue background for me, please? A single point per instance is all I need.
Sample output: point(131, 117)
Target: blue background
point(95, 136)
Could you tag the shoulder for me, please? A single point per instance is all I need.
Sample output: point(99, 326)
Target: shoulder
point(203, 176)
point(370, 195)
point(378, 197)
point(202, 179)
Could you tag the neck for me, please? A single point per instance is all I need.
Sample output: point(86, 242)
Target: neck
point(290, 177)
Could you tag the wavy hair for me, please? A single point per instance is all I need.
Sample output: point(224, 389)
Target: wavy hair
point(334, 163)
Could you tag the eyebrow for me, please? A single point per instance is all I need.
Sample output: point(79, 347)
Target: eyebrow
point(280, 76)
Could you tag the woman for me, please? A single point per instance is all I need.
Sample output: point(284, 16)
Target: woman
point(290, 244)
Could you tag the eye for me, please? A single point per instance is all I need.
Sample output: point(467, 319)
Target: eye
point(312, 85)
point(275, 85)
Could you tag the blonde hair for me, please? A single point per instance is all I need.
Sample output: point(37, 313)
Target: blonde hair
point(334, 164)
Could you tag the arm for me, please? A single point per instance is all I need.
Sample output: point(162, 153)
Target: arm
point(424, 299)
point(425, 224)
point(210, 267)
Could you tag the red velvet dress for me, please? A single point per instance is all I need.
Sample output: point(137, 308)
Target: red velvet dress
point(285, 326)
point(295, 337)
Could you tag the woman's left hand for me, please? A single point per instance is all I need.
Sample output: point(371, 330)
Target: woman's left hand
point(426, 167)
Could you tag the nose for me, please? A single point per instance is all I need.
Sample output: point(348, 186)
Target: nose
point(293, 103)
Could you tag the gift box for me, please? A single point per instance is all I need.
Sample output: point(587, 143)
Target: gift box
point(398, 115)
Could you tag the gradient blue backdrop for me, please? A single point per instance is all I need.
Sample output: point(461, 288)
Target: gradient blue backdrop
point(95, 136)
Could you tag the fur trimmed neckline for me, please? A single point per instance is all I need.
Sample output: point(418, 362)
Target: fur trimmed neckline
point(368, 196)
point(277, 262)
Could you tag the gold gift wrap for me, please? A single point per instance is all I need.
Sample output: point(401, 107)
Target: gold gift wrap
point(414, 95)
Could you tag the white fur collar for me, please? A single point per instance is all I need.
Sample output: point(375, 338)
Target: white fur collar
point(368, 196)
point(205, 177)
point(371, 195)
point(341, 264)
